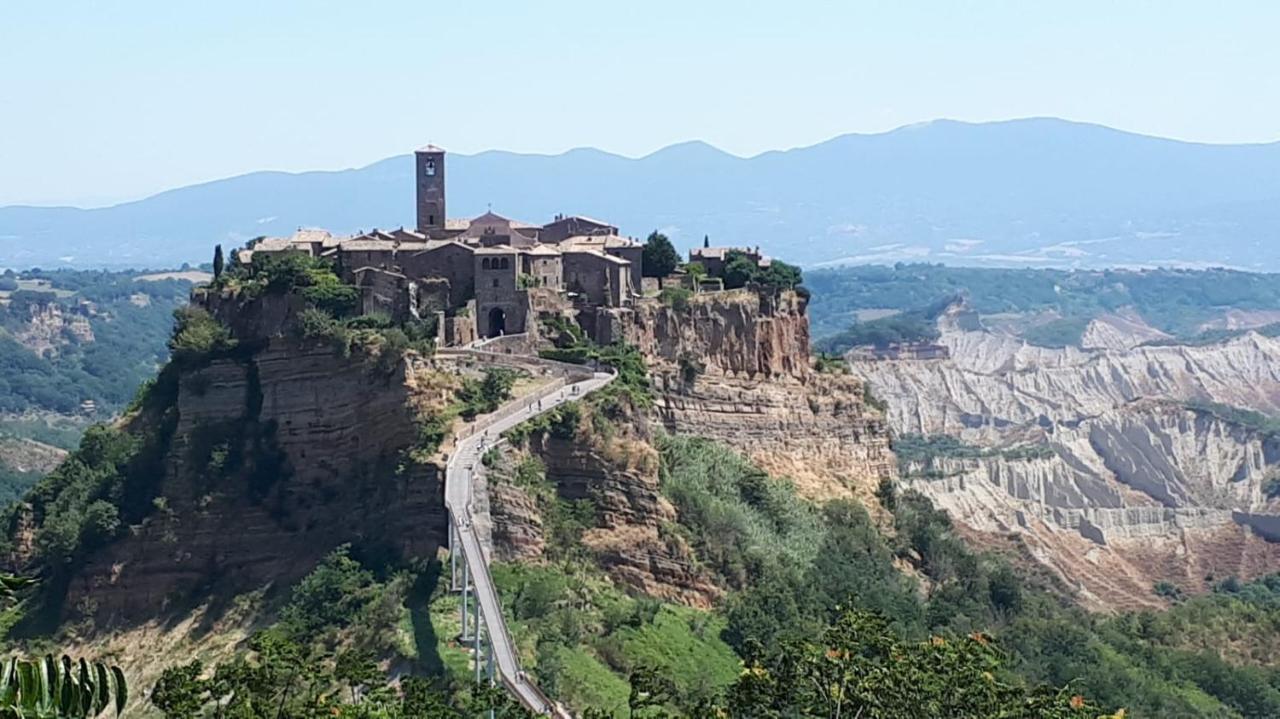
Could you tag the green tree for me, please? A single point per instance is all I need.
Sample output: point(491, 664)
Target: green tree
point(858, 667)
point(659, 257)
point(179, 691)
point(196, 335)
point(738, 270)
point(217, 262)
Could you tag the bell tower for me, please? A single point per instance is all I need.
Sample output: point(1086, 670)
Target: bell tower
point(429, 162)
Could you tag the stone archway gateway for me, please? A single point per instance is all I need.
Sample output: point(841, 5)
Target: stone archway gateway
point(497, 322)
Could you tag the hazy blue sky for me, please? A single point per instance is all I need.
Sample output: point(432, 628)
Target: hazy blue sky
point(101, 101)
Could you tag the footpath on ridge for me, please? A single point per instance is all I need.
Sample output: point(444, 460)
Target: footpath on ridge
point(571, 382)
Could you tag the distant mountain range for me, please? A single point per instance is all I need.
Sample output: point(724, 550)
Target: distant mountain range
point(1040, 192)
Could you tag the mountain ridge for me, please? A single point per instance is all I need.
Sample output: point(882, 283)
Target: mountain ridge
point(1034, 191)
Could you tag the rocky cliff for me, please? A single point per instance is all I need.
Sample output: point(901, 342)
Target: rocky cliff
point(1135, 479)
point(743, 333)
point(612, 468)
point(276, 458)
point(283, 449)
point(49, 326)
point(735, 367)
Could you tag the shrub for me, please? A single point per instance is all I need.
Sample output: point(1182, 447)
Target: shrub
point(830, 364)
point(690, 367)
point(317, 324)
point(371, 321)
point(676, 298)
point(197, 335)
point(573, 355)
point(486, 395)
point(330, 596)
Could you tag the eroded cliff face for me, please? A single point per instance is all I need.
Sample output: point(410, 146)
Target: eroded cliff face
point(616, 472)
point(993, 384)
point(735, 367)
point(739, 332)
point(1124, 490)
point(49, 327)
point(276, 459)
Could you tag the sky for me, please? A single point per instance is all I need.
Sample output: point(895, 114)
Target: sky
point(107, 101)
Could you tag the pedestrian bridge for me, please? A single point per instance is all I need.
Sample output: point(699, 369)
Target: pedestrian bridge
point(483, 623)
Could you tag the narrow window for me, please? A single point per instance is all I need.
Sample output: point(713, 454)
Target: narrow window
point(431, 168)
point(495, 282)
point(431, 219)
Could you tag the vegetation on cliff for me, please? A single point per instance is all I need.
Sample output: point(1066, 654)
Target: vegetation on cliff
point(801, 577)
point(278, 273)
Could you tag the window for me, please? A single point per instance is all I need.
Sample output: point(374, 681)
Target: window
point(431, 168)
point(484, 264)
point(506, 264)
point(495, 282)
point(431, 219)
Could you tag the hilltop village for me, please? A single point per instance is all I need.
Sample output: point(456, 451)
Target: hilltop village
point(488, 276)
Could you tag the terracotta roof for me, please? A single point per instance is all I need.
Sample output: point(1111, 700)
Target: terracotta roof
point(379, 270)
point(489, 216)
point(543, 250)
point(492, 217)
point(434, 245)
point(597, 253)
point(582, 218)
point(273, 244)
point(599, 241)
point(408, 235)
point(716, 252)
point(366, 244)
point(313, 234)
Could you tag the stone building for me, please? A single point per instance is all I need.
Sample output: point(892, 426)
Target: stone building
point(449, 260)
point(429, 162)
point(501, 303)
point(562, 228)
point(715, 258)
point(497, 271)
point(597, 279)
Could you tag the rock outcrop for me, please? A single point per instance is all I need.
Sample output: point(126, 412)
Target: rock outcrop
point(25, 455)
point(743, 333)
point(618, 476)
point(735, 367)
point(49, 327)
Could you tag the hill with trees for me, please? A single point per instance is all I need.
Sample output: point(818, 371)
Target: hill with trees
point(1036, 191)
